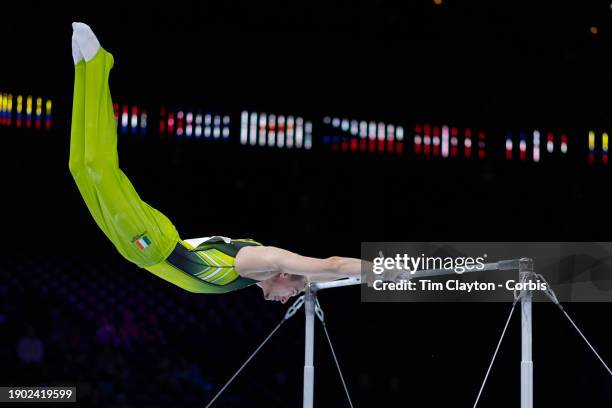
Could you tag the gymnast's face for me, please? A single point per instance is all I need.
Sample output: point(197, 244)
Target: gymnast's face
point(282, 286)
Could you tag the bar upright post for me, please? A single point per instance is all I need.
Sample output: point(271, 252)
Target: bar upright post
point(309, 310)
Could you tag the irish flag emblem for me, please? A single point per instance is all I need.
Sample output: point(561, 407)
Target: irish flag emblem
point(142, 242)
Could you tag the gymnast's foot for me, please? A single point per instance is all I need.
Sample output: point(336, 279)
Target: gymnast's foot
point(76, 51)
point(86, 42)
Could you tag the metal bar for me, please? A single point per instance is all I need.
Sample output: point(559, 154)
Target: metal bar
point(525, 267)
point(493, 266)
point(335, 284)
point(309, 310)
point(526, 275)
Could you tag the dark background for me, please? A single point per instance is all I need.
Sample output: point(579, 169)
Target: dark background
point(126, 338)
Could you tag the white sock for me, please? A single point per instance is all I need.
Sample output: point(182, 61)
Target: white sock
point(76, 51)
point(86, 40)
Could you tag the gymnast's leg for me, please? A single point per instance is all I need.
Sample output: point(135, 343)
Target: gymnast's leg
point(139, 232)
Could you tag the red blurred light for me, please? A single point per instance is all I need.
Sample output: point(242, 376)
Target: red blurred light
point(400, 147)
point(363, 145)
point(170, 123)
point(116, 110)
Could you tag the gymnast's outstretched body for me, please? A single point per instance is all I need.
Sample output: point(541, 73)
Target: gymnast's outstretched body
point(142, 234)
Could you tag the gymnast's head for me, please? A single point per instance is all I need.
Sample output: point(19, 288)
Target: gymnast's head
point(282, 286)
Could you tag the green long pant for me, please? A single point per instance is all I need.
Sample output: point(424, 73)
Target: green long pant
point(140, 233)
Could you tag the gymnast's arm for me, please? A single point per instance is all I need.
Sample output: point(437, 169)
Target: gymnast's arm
point(263, 262)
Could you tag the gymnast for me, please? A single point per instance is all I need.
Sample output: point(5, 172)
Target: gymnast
point(146, 237)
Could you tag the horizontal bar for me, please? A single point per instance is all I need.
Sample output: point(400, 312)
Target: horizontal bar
point(493, 266)
point(335, 284)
